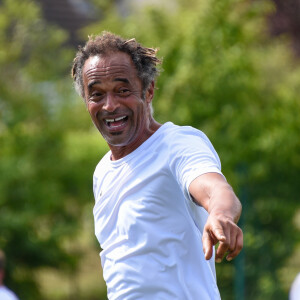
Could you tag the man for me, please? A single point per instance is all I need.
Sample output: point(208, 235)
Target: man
point(162, 202)
point(5, 293)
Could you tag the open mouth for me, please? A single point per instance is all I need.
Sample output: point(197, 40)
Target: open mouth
point(116, 123)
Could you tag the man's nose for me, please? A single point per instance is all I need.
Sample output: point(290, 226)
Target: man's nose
point(111, 102)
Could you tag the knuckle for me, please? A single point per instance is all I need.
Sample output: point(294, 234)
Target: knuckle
point(224, 245)
point(217, 227)
point(228, 223)
point(232, 248)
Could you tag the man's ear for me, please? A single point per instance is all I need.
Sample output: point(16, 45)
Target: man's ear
point(150, 92)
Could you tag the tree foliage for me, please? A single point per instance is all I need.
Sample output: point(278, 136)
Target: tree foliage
point(44, 181)
point(222, 74)
point(225, 75)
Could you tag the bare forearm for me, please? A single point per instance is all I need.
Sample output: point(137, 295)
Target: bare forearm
point(223, 201)
point(214, 193)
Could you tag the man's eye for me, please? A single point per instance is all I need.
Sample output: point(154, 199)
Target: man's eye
point(124, 92)
point(96, 96)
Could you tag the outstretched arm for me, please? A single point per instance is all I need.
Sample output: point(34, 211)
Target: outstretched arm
point(212, 191)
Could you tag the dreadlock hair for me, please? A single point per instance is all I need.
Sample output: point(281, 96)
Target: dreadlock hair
point(144, 59)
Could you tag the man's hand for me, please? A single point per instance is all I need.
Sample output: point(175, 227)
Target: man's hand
point(212, 191)
point(223, 230)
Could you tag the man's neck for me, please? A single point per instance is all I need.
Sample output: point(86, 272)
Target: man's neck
point(119, 152)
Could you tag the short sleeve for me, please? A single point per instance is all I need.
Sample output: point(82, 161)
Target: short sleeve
point(192, 155)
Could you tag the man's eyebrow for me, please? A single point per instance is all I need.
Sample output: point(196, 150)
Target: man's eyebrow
point(92, 83)
point(125, 80)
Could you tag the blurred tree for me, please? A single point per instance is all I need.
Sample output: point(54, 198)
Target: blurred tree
point(224, 75)
point(45, 178)
point(286, 20)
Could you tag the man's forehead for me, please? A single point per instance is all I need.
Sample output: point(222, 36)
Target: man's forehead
point(100, 68)
point(112, 60)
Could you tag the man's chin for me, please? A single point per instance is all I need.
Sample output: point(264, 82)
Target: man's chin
point(116, 140)
point(116, 133)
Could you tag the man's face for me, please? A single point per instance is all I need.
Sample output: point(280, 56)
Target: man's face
point(113, 94)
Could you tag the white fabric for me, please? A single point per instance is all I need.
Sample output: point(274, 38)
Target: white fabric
point(295, 289)
point(7, 294)
point(146, 223)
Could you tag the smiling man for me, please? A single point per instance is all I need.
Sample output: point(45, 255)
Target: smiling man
point(113, 93)
point(161, 201)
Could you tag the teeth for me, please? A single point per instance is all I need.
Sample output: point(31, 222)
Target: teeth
point(115, 120)
point(109, 120)
point(118, 119)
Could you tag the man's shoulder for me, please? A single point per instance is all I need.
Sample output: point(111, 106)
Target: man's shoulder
point(188, 141)
point(182, 133)
point(7, 294)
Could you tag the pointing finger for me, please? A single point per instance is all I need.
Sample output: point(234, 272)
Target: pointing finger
point(208, 244)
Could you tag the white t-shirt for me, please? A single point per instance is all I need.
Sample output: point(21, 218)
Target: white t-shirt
point(7, 294)
point(149, 228)
point(295, 289)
